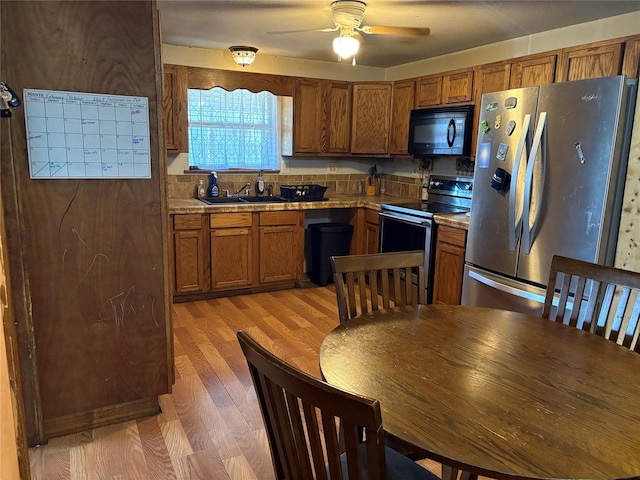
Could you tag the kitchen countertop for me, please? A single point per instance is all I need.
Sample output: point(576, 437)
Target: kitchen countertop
point(192, 205)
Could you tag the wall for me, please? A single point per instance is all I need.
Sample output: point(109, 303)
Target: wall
point(613, 27)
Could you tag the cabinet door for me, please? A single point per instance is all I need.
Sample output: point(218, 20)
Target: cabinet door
point(533, 71)
point(599, 60)
point(189, 254)
point(279, 253)
point(231, 258)
point(175, 108)
point(457, 86)
point(372, 232)
point(429, 91)
point(449, 265)
point(338, 121)
point(402, 104)
point(370, 123)
point(307, 116)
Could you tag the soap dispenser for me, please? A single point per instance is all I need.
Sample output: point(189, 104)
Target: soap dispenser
point(260, 185)
point(213, 190)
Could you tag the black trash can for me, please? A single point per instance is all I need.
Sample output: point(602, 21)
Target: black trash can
point(327, 240)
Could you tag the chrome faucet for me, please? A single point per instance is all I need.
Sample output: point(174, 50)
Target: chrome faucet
point(246, 185)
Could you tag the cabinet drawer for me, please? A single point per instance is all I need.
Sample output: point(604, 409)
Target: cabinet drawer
point(279, 218)
point(187, 222)
point(218, 220)
point(454, 236)
point(371, 216)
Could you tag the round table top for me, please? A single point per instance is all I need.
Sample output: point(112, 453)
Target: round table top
point(493, 392)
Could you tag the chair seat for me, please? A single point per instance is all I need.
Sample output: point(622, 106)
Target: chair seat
point(399, 467)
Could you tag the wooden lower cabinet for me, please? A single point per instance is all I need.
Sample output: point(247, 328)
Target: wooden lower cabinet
point(223, 252)
point(231, 244)
point(280, 246)
point(189, 254)
point(449, 265)
point(371, 231)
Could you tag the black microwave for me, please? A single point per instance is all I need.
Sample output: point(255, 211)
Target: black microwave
point(441, 131)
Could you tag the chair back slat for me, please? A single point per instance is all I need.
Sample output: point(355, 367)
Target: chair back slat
point(367, 283)
point(300, 414)
point(605, 307)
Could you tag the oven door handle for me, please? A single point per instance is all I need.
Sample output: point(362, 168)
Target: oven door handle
point(405, 218)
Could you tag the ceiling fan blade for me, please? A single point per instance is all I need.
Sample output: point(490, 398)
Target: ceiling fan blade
point(304, 31)
point(405, 31)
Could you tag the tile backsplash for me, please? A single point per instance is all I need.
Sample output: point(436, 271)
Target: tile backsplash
point(184, 186)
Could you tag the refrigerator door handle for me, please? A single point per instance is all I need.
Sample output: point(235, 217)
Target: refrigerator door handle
point(506, 288)
point(515, 224)
point(527, 239)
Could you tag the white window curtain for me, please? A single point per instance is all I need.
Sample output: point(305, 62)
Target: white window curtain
point(229, 130)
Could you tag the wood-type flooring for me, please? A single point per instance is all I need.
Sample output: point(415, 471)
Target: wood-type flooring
point(210, 426)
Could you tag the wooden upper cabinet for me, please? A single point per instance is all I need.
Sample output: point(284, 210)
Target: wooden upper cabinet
point(457, 86)
point(428, 91)
point(602, 59)
point(631, 62)
point(532, 71)
point(307, 116)
point(322, 116)
point(175, 109)
point(370, 118)
point(338, 117)
point(445, 88)
point(401, 106)
point(493, 77)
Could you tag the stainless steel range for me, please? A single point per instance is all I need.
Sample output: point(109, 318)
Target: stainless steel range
point(409, 226)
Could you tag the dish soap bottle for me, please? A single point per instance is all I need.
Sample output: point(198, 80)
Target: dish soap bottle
point(260, 185)
point(213, 190)
point(201, 191)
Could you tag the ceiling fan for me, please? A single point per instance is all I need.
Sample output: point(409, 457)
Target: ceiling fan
point(347, 18)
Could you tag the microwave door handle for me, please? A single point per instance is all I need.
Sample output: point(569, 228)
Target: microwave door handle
point(528, 183)
point(515, 224)
point(450, 127)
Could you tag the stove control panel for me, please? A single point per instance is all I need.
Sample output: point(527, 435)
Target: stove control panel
point(452, 186)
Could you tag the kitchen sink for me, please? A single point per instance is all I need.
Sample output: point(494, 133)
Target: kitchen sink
point(242, 199)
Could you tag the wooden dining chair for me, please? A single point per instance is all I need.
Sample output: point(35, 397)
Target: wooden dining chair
point(303, 417)
point(370, 282)
point(602, 300)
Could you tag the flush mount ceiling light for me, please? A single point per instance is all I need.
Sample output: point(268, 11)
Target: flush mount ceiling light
point(346, 46)
point(243, 55)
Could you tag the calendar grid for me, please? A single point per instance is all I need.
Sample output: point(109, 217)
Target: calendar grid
point(87, 135)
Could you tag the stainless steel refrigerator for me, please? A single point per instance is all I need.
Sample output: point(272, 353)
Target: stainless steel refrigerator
point(549, 178)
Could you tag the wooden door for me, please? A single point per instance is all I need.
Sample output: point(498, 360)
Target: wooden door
point(457, 86)
point(338, 119)
point(428, 91)
point(603, 59)
point(307, 116)
point(449, 265)
point(402, 104)
point(533, 71)
point(175, 109)
point(188, 254)
point(232, 250)
point(372, 231)
point(280, 243)
point(370, 122)
point(232, 258)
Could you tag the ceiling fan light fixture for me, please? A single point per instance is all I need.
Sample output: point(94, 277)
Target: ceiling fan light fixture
point(243, 55)
point(346, 46)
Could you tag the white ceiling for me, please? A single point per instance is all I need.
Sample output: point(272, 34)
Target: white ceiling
point(455, 25)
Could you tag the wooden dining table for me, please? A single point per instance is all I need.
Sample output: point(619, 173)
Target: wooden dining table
point(494, 393)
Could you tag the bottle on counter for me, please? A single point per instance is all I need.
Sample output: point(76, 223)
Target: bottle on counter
point(213, 190)
point(260, 184)
point(201, 191)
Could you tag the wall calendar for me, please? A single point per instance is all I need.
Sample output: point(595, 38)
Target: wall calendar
point(86, 135)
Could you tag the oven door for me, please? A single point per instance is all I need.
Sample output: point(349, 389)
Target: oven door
point(400, 232)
